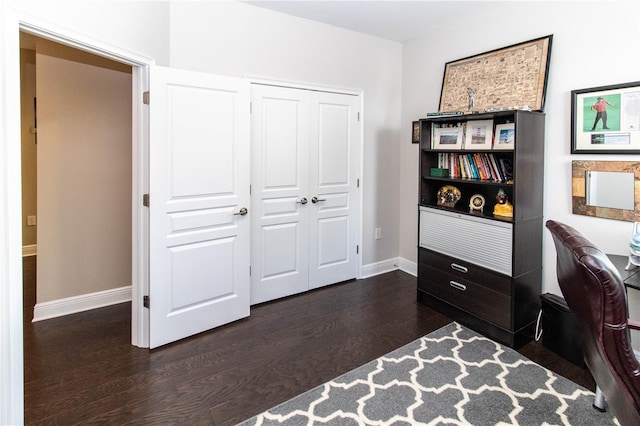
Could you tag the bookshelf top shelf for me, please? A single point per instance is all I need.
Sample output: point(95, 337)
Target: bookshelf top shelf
point(480, 115)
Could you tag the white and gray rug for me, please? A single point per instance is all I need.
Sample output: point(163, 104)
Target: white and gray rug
point(451, 376)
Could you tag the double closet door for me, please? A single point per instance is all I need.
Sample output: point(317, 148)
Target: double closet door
point(305, 148)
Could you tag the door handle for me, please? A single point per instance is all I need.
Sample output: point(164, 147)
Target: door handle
point(317, 200)
point(243, 211)
point(302, 201)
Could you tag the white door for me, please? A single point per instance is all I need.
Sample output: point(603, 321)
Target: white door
point(279, 192)
point(199, 182)
point(305, 144)
point(334, 182)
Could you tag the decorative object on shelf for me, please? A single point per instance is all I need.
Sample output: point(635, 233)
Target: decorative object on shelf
point(513, 108)
point(415, 131)
point(439, 172)
point(448, 196)
point(448, 138)
point(471, 92)
point(444, 114)
point(605, 120)
point(503, 207)
point(479, 134)
point(505, 136)
point(513, 75)
point(634, 248)
point(476, 203)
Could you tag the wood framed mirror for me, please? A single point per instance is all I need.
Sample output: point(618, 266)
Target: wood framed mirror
point(606, 189)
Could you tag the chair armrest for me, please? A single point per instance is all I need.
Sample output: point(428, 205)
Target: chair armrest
point(633, 324)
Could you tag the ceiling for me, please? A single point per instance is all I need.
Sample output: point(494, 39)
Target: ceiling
point(392, 20)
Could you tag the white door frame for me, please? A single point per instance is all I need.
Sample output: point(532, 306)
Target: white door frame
point(11, 331)
point(341, 90)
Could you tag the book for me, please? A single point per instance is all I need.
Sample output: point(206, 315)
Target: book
point(507, 168)
point(496, 168)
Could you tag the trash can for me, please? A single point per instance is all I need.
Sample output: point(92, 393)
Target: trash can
point(559, 330)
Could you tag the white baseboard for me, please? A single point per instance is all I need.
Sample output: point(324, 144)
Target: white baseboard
point(377, 268)
point(408, 266)
point(84, 302)
point(384, 266)
point(30, 250)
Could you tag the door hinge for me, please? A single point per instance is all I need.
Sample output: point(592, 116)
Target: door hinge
point(145, 301)
point(357, 249)
point(249, 189)
point(249, 270)
point(145, 200)
point(145, 98)
point(358, 115)
point(357, 183)
point(250, 107)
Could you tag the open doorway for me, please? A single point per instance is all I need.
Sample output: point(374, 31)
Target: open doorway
point(77, 186)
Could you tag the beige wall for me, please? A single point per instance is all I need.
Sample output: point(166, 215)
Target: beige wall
point(29, 152)
point(84, 175)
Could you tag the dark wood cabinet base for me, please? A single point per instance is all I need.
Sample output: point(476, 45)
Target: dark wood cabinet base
point(513, 339)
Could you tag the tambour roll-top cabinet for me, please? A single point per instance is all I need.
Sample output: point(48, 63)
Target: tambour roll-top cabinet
point(481, 224)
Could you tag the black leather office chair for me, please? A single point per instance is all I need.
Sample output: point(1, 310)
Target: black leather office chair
point(595, 293)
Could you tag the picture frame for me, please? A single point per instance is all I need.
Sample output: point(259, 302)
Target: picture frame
point(606, 119)
point(478, 134)
point(448, 138)
point(504, 136)
point(415, 132)
point(512, 77)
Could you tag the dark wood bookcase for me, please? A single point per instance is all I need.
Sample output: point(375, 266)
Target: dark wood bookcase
point(484, 270)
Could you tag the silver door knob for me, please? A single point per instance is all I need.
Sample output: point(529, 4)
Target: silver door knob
point(316, 200)
point(302, 201)
point(243, 211)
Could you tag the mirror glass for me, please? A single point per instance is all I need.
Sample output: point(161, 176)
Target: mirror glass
point(610, 189)
point(607, 189)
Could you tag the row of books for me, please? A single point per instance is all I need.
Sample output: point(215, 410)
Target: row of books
point(479, 165)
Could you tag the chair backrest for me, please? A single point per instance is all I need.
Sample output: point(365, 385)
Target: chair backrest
point(595, 293)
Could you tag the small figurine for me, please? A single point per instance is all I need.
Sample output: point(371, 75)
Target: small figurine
point(471, 91)
point(503, 207)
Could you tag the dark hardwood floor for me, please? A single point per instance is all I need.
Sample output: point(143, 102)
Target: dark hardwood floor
point(81, 369)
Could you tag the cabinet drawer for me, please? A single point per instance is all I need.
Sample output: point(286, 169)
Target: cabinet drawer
point(480, 301)
point(465, 270)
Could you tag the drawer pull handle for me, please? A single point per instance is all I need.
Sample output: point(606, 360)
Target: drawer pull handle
point(459, 268)
point(458, 286)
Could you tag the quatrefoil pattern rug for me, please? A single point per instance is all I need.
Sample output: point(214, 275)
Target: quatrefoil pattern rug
point(451, 376)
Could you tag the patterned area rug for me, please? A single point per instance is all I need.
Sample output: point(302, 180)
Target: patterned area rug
point(451, 376)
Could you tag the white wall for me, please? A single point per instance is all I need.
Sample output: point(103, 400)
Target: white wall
point(141, 27)
point(236, 39)
point(594, 44)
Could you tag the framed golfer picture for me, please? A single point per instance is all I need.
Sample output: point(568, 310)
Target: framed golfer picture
point(606, 119)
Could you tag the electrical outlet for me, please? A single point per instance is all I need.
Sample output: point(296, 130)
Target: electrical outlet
point(31, 221)
point(378, 233)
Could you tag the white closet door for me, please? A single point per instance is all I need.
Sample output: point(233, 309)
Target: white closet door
point(334, 171)
point(280, 170)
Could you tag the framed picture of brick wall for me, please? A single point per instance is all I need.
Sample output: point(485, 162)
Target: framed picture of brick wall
point(512, 77)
